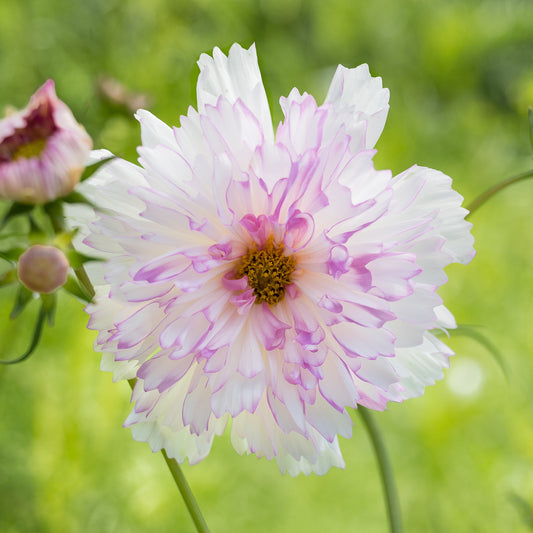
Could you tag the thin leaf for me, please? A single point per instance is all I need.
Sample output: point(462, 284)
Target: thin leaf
point(37, 331)
point(84, 280)
point(77, 260)
point(49, 304)
point(22, 299)
point(55, 213)
point(8, 277)
point(471, 332)
point(90, 170)
point(78, 198)
point(15, 210)
point(76, 289)
point(12, 255)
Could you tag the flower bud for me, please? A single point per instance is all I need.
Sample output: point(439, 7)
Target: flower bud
point(43, 150)
point(43, 268)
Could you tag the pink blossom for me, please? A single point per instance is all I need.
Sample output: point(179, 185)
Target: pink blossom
point(43, 150)
point(271, 278)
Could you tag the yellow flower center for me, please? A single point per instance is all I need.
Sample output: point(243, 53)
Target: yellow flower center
point(30, 149)
point(268, 271)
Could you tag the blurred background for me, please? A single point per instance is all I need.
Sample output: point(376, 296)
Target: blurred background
point(461, 80)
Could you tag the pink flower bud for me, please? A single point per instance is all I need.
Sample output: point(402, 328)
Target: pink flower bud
point(43, 268)
point(43, 150)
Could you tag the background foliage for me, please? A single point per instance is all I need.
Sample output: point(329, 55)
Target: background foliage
point(461, 78)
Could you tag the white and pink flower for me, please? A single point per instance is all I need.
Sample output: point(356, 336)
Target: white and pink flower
point(271, 279)
point(43, 150)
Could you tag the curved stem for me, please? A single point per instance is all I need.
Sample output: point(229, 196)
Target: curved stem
point(183, 487)
point(34, 341)
point(489, 193)
point(385, 470)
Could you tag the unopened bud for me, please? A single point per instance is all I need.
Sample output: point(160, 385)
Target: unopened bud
point(43, 150)
point(43, 268)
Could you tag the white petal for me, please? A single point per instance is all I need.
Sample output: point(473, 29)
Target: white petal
point(421, 365)
point(234, 77)
point(358, 97)
point(436, 195)
point(154, 131)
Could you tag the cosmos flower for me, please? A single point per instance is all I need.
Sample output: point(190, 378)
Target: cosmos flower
point(42, 150)
point(271, 279)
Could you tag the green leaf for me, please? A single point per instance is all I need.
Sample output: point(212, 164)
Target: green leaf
point(37, 331)
point(90, 170)
point(76, 289)
point(22, 299)
point(78, 198)
point(15, 210)
point(77, 260)
point(12, 255)
point(54, 210)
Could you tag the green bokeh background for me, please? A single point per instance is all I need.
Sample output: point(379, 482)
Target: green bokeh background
point(461, 79)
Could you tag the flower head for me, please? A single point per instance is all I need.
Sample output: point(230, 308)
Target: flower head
point(42, 150)
point(274, 279)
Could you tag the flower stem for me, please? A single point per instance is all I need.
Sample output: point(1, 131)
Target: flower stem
point(489, 193)
point(385, 469)
point(186, 493)
point(183, 487)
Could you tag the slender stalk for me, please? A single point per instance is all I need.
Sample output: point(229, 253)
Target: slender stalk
point(186, 494)
point(385, 470)
point(489, 193)
point(183, 487)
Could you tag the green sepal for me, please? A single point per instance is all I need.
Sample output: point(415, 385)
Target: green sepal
point(530, 116)
point(74, 287)
point(91, 169)
point(8, 277)
point(15, 210)
point(22, 299)
point(78, 198)
point(77, 260)
point(49, 303)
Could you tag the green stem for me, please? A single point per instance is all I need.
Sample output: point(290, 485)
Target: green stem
point(183, 487)
point(186, 493)
point(489, 193)
point(385, 470)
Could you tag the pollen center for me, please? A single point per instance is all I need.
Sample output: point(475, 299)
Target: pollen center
point(30, 149)
point(268, 271)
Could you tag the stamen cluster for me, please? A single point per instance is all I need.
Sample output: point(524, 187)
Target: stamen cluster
point(269, 272)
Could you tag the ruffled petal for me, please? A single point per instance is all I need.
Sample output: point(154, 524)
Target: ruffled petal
point(235, 77)
point(360, 103)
